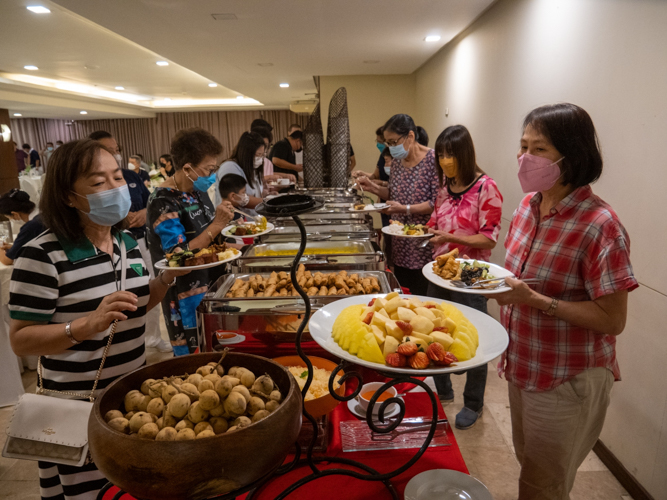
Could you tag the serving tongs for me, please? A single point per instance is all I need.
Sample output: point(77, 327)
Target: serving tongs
point(255, 218)
point(408, 426)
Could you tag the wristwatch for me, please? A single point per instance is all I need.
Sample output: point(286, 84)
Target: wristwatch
point(407, 209)
point(169, 285)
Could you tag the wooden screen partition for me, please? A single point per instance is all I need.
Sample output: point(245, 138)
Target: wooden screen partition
point(9, 177)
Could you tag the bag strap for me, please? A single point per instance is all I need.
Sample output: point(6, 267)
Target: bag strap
point(112, 332)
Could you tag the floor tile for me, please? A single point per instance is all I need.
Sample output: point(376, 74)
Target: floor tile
point(22, 470)
point(592, 463)
point(484, 433)
point(19, 490)
point(597, 485)
point(498, 470)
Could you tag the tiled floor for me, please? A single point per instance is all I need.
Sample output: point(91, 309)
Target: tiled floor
point(487, 449)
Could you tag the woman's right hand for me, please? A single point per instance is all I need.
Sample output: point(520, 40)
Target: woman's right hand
point(109, 310)
point(367, 184)
point(224, 213)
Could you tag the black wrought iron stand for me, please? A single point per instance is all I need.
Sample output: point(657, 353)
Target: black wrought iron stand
point(293, 206)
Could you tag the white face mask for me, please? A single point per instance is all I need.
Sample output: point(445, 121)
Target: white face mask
point(242, 199)
point(259, 161)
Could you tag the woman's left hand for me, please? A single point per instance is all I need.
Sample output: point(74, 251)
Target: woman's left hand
point(520, 293)
point(168, 276)
point(394, 208)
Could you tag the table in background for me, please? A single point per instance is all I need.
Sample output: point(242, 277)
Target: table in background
point(11, 385)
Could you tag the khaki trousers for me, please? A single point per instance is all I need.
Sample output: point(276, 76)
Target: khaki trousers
point(554, 431)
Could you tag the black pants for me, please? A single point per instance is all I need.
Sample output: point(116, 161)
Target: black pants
point(413, 279)
point(473, 394)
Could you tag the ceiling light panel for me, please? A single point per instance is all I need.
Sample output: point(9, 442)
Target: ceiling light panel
point(432, 38)
point(83, 112)
point(212, 84)
point(284, 85)
point(119, 88)
point(30, 67)
point(162, 63)
point(18, 114)
point(38, 9)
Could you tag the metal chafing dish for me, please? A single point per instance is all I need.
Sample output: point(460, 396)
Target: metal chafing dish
point(333, 254)
point(271, 319)
point(338, 230)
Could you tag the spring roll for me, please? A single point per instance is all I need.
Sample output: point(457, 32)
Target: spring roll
point(308, 274)
point(273, 279)
point(340, 283)
point(282, 275)
point(324, 290)
point(302, 281)
point(260, 294)
point(283, 292)
point(366, 283)
point(301, 269)
point(309, 282)
point(375, 284)
point(228, 295)
point(331, 279)
point(236, 284)
point(313, 290)
point(281, 284)
point(358, 289)
point(251, 293)
point(239, 293)
point(253, 283)
point(294, 292)
point(332, 290)
point(317, 279)
point(341, 291)
point(269, 290)
point(261, 284)
point(343, 274)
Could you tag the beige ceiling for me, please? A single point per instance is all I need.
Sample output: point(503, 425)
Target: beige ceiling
point(106, 43)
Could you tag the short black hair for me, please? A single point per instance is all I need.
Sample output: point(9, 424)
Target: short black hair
point(167, 158)
point(16, 200)
point(259, 122)
point(98, 135)
point(59, 142)
point(402, 125)
point(192, 145)
point(379, 131)
point(231, 183)
point(297, 134)
point(26, 146)
point(422, 136)
point(49, 142)
point(570, 129)
point(141, 157)
point(264, 132)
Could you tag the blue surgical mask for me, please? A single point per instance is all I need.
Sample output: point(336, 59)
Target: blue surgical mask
point(50, 148)
point(203, 183)
point(380, 146)
point(108, 207)
point(398, 152)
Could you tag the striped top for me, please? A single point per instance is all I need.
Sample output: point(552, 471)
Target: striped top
point(55, 281)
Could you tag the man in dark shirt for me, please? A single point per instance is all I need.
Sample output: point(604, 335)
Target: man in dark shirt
point(29, 231)
point(137, 221)
point(135, 166)
point(21, 157)
point(282, 154)
point(34, 156)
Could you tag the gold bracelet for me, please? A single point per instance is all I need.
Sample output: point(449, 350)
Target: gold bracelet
point(552, 308)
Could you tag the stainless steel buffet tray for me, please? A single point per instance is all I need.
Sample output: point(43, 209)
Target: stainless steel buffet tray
point(269, 319)
point(343, 254)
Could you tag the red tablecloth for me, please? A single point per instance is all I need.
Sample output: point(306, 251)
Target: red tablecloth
point(337, 486)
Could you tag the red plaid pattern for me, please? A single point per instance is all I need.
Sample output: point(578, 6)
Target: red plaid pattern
point(580, 251)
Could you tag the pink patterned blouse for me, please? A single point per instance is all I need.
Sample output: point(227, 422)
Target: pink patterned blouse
point(411, 186)
point(477, 210)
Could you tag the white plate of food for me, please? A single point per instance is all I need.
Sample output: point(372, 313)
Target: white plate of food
point(248, 229)
point(370, 207)
point(201, 259)
point(401, 230)
point(445, 484)
point(281, 184)
point(467, 326)
point(443, 271)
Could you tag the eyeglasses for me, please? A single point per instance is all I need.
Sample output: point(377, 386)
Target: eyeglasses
point(396, 142)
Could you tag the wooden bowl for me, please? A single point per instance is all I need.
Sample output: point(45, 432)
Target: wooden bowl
point(322, 405)
point(197, 469)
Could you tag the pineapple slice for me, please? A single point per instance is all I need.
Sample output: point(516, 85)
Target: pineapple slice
point(460, 350)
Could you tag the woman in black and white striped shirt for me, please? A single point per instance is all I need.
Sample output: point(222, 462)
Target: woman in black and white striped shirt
point(65, 291)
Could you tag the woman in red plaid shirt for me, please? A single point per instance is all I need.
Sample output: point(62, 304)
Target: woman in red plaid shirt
point(561, 360)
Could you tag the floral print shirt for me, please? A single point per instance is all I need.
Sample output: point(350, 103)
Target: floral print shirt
point(411, 186)
point(477, 210)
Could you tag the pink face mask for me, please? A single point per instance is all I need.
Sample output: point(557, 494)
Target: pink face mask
point(537, 173)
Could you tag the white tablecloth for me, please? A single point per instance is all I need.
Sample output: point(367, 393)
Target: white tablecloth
point(11, 385)
point(33, 186)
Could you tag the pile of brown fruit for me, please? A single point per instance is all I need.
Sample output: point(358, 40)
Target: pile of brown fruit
point(201, 405)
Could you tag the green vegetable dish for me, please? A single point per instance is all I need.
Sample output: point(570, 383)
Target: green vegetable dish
point(474, 272)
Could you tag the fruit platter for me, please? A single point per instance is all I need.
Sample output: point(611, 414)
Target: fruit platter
point(409, 334)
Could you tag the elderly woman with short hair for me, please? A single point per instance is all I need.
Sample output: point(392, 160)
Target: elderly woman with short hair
point(561, 360)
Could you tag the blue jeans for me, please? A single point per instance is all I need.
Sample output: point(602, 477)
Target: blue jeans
point(473, 394)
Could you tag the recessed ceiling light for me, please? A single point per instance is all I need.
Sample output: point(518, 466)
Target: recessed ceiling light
point(83, 112)
point(284, 85)
point(162, 63)
point(38, 9)
point(212, 84)
point(119, 88)
point(31, 67)
point(18, 114)
point(264, 65)
point(240, 97)
point(432, 38)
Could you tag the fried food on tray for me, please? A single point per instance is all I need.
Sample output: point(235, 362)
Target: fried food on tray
point(188, 258)
point(280, 284)
point(447, 267)
point(406, 332)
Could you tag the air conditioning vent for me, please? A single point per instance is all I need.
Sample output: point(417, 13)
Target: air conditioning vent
point(303, 106)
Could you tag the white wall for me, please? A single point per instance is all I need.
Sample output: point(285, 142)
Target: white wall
point(610, 57)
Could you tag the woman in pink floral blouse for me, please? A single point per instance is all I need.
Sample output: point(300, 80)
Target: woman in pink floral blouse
point(466, 216)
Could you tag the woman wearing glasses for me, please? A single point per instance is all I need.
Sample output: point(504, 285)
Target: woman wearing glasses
point(412, 191)
point(180, 214)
